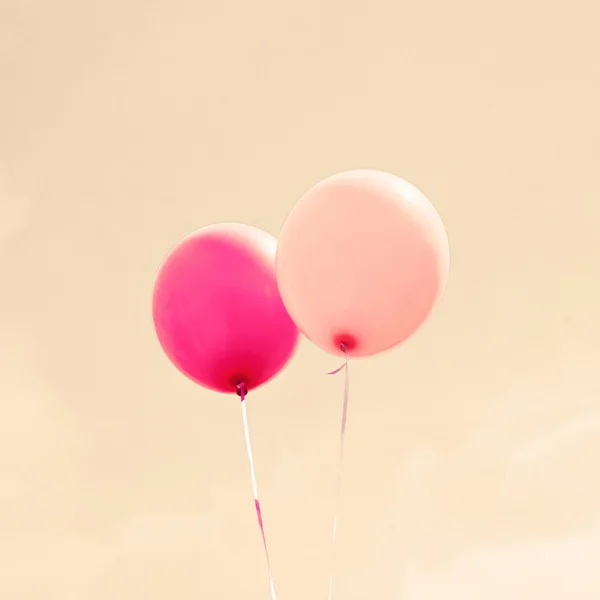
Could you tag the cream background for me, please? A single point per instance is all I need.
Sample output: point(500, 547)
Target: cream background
point(472, 467)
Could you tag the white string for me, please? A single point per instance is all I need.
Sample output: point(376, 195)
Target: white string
point(249, 450)
point(341, 457)
point(255, 489)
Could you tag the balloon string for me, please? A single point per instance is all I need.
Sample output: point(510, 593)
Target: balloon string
point(242, 392)
point(341, 457)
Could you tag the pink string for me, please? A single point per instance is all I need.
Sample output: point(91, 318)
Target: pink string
point(344, 367)
point(242, 393)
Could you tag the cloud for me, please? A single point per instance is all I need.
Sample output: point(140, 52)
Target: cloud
point(536, 416)
point(549, 569)
point(513, 512)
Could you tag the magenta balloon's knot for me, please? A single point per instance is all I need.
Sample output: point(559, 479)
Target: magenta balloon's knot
point(242, 391)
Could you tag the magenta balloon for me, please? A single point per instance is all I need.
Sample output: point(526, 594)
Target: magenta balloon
point(217, 310)
point(362, 260)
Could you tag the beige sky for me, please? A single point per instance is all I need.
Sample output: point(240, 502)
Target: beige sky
point(472, 457)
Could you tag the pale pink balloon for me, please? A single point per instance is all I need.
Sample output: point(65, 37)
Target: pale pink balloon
point(362, 260)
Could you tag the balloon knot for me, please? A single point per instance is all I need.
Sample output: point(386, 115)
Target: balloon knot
point(242, 390)
point(344, 349)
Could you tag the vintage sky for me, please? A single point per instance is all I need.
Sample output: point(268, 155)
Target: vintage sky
point(473, 455)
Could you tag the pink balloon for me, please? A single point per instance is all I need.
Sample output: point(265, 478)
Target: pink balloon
point(217, 310)
point(362, 260)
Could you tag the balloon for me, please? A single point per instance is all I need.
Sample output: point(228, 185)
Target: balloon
point(217, 310)
point(362, 260)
